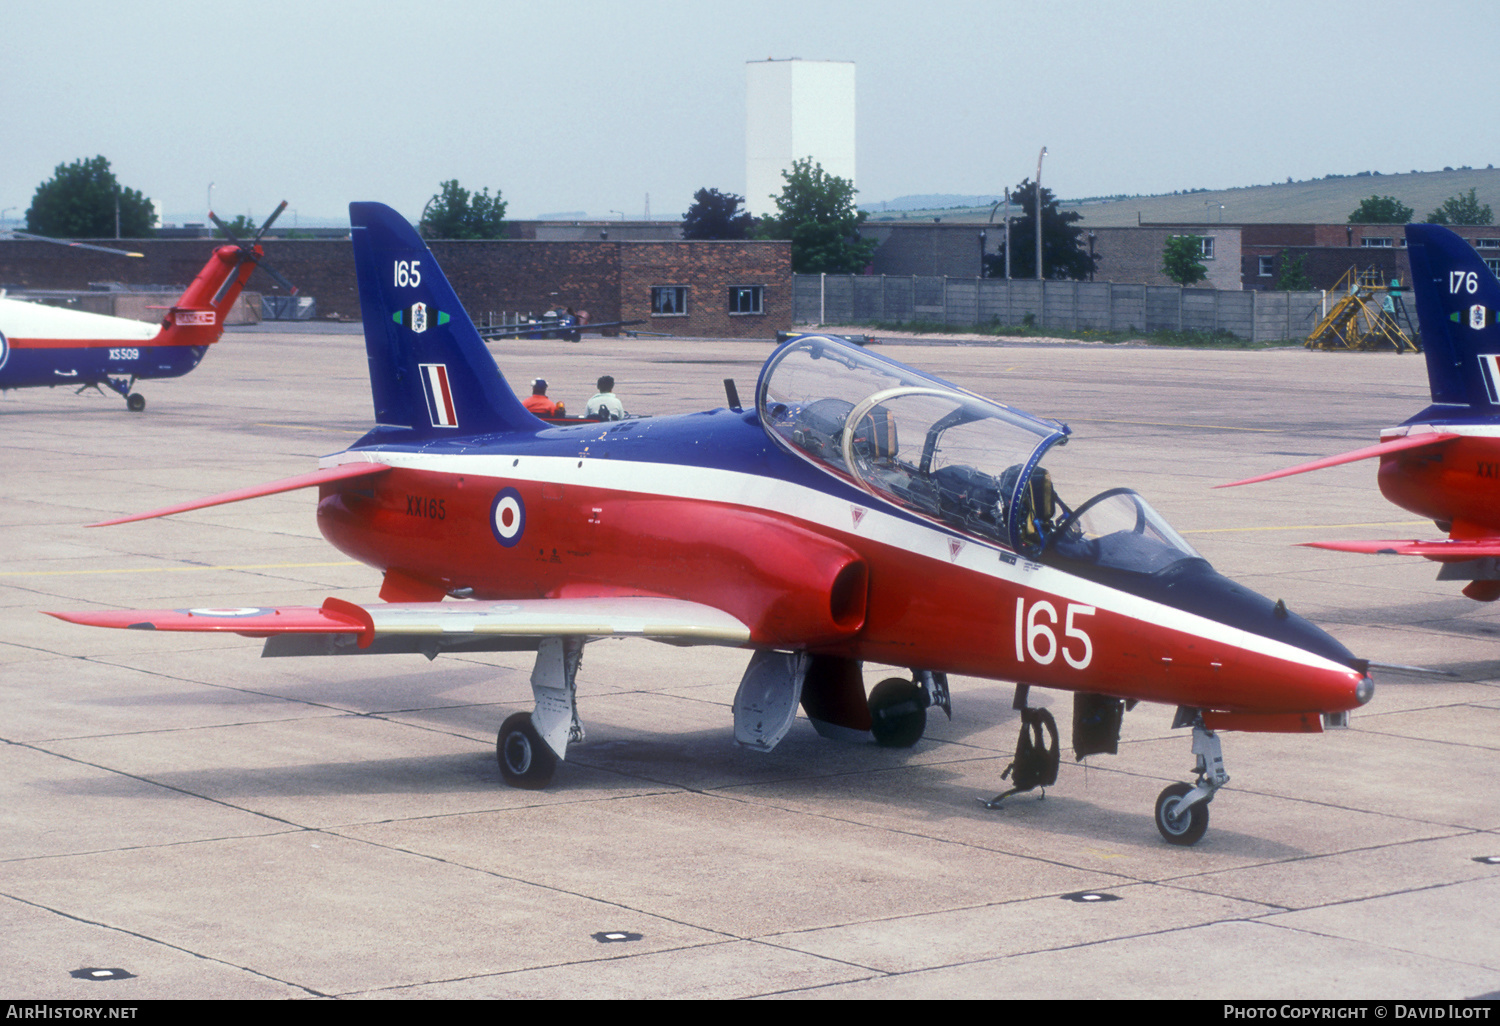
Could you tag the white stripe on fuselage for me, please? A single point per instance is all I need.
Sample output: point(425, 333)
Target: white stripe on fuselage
point(20, 319)
point(703, 484)
point(1416, 430)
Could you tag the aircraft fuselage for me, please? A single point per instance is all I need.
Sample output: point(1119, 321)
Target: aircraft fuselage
point(612, 509)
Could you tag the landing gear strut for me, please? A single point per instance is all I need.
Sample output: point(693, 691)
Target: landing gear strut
point(134, 401)
point(1182, 811)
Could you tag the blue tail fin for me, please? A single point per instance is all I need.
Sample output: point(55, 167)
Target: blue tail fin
point(429, 370)
point(1457, 302)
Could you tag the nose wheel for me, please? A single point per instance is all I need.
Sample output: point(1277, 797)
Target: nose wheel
point(1179, 824)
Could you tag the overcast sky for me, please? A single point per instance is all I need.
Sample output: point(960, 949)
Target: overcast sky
point(579, 105)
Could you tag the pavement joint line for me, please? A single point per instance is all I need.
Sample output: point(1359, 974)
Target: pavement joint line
point(164, 943)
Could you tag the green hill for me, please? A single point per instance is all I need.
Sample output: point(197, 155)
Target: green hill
point(1321, 201)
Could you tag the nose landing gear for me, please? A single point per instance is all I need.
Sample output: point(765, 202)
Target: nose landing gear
point(1181, 810)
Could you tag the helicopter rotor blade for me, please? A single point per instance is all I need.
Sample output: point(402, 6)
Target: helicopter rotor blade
point(269, 221)
point(225, 229)
point(75, 245)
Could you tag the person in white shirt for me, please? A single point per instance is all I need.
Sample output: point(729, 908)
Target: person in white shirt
point(606, 405)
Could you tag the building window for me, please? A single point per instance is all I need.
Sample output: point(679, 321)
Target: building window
point(669, 300)
point(1207, 243)
point(1267, 266)
point(1377, 242)
point(1493, 263)
point(1487, 243)
point(747, 299)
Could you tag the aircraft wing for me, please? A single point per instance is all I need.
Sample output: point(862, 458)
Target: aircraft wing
point(1447, 549)
point(445, 623)
point(327, 475)
point(1404, 444)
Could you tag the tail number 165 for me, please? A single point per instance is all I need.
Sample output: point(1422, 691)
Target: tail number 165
point(1036, 637)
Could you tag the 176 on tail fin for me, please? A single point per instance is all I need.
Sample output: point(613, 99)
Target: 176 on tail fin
point(1457, 299)
point(430, 372)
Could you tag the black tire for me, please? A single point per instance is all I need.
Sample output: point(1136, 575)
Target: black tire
point(135, 402)
point(898, 713)
point(525, 760)
point(1180, 828)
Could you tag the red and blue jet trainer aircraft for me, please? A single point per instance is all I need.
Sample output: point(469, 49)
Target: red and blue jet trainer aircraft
point(861, 511)
point(47, 346)
point(1444, 463)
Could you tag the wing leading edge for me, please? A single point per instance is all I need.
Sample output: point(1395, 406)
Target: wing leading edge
point(660, 619)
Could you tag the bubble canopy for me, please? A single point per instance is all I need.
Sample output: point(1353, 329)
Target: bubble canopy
point(922, 443)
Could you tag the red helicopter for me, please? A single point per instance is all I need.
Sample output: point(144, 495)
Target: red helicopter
point(47, 346)
point(859, 510)
point(1444, 463)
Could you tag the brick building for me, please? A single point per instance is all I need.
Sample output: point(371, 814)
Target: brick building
point(1126, 255)
point(704, 289)
point(1329, 250)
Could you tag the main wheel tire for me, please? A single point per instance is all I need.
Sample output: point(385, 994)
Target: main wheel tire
point(898, 713)
point(525, 759)
point(135, 402)
point(1178, 827)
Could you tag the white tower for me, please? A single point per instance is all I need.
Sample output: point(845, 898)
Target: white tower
point(795, 109)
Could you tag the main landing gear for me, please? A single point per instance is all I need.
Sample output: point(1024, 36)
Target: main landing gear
point(134, 401)
point(530, 745)
point(898, 708)
point(1182, 811)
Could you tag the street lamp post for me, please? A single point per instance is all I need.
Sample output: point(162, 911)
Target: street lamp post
point(1039, 213)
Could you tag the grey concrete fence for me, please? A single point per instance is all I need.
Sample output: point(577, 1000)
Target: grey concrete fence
point(1060, 305)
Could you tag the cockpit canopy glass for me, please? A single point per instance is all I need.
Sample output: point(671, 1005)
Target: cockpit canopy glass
point(912, 439)
point(1118, 530)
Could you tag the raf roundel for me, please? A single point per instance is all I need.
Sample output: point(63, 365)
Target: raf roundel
point(508, 517)
point(4, 349)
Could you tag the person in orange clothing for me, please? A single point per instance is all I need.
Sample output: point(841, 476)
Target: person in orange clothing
point(538, 403)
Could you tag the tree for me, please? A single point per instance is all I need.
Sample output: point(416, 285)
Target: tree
point(1064, 254)
point(816, 212)
point(1381, 210)
point(716, 215)
point(241, 227)
point(1293, 276)
point(1462, 209)
point(455, 213)
point(1179, 259)
point(80, 201)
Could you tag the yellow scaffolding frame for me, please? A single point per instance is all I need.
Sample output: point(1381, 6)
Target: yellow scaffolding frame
point(1362, 319)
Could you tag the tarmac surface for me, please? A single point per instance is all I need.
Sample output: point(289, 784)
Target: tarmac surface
point(216, 825)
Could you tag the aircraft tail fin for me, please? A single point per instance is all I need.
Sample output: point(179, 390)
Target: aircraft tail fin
point(1458, 300)
point(430, 372)
point(197, 318)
